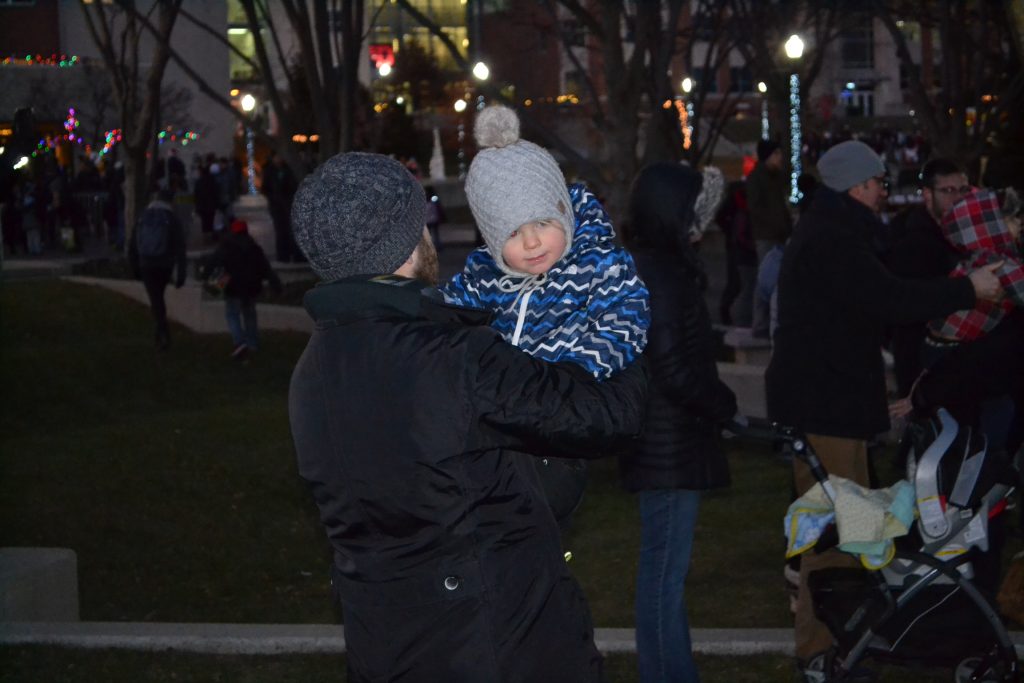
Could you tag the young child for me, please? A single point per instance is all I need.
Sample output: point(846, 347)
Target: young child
point(976, 227)
point(559, 287)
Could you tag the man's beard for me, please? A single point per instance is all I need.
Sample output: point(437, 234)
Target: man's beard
point(426, 267)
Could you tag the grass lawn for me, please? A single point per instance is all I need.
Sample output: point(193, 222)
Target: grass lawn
point(172, 477)
point(52, 665)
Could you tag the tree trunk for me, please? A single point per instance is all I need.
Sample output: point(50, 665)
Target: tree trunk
point(135, 191)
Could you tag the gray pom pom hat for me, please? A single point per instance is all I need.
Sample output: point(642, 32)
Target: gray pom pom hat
point(358, 214)
point(512, 182)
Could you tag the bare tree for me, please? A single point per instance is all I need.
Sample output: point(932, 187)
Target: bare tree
point(976, 101)
point(117, 32)
point(629, 102)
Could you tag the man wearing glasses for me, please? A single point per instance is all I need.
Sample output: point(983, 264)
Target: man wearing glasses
point(826, 376)
point(920, 251)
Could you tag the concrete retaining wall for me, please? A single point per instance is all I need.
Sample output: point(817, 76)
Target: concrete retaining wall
point(38, 584)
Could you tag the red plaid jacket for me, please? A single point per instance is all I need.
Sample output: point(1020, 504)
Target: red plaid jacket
point(976, 228)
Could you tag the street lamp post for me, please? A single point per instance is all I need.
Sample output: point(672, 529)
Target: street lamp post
point(763, 89)
point(794, 50)
point(687, 86)
point(248, 105)
point(481, 72)
point(460, 109)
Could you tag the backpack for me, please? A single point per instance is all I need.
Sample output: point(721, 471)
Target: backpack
point(154, 238)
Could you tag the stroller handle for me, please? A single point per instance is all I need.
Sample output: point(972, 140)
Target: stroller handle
point(763, 430)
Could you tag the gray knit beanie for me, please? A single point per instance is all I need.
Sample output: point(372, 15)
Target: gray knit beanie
point(849, 163)
point(358, 214)
point(512, 182)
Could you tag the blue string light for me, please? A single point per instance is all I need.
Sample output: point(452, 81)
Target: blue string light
point(795, 138)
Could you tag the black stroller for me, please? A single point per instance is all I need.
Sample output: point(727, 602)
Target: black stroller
point(923, 607)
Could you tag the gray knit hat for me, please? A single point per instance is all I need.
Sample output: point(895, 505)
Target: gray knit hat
point(512, 182)
point(849, 163)
point(358, 214)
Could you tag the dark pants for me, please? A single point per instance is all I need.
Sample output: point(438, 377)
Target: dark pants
point(156, 280)
point(732, 285)
point(284, 243)
point(206, 221)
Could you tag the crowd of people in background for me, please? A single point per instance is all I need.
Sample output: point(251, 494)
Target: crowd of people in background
point(55, 207)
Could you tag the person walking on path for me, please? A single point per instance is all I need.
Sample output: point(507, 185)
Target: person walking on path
point(411, 420)
point(207, 201)
point(245, 269)
point(156, 250)
point(733, 218)
point(770, 220)
point(826, 377)
point(279, 188)
point(679, 455)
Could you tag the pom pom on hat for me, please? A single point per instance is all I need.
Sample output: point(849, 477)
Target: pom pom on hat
point(512, 182)
point(496, 126)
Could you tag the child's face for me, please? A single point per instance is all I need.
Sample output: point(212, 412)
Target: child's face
point(534, 247)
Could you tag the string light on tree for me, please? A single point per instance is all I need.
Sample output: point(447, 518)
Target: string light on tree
point(460, 108)
point(248, 106)
point(71, 123)
point(60, 61)
point(687, 86)
point(110, 138)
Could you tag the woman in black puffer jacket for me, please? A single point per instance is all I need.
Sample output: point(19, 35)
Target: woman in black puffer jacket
point(679, 454)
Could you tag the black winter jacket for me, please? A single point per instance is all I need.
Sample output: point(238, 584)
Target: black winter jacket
point(407, 422)
point(158, 241)
point(826, 375)
point(919, 251)
point(246, 264)
point(687, 401)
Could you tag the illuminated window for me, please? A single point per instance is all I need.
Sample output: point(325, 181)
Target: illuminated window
point(242, 40)
point(857, 44)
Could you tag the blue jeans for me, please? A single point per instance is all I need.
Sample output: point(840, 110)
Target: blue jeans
point(237, 310)
point(667, 522)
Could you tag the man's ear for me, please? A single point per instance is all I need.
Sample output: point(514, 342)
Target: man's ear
point(408, 269)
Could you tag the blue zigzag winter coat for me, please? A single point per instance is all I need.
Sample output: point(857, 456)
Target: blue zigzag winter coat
point(591, 308)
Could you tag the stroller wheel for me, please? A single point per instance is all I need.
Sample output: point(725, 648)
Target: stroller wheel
point(981, 670)
point(825, 668)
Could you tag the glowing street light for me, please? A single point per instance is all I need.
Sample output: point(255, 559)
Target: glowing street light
point(794, 47)
point(481, 72)
point(384, 69)
point(794, 50)
point(460, 106)
point(687, 84)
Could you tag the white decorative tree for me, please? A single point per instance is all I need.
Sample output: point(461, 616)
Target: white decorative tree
point(437, 158)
